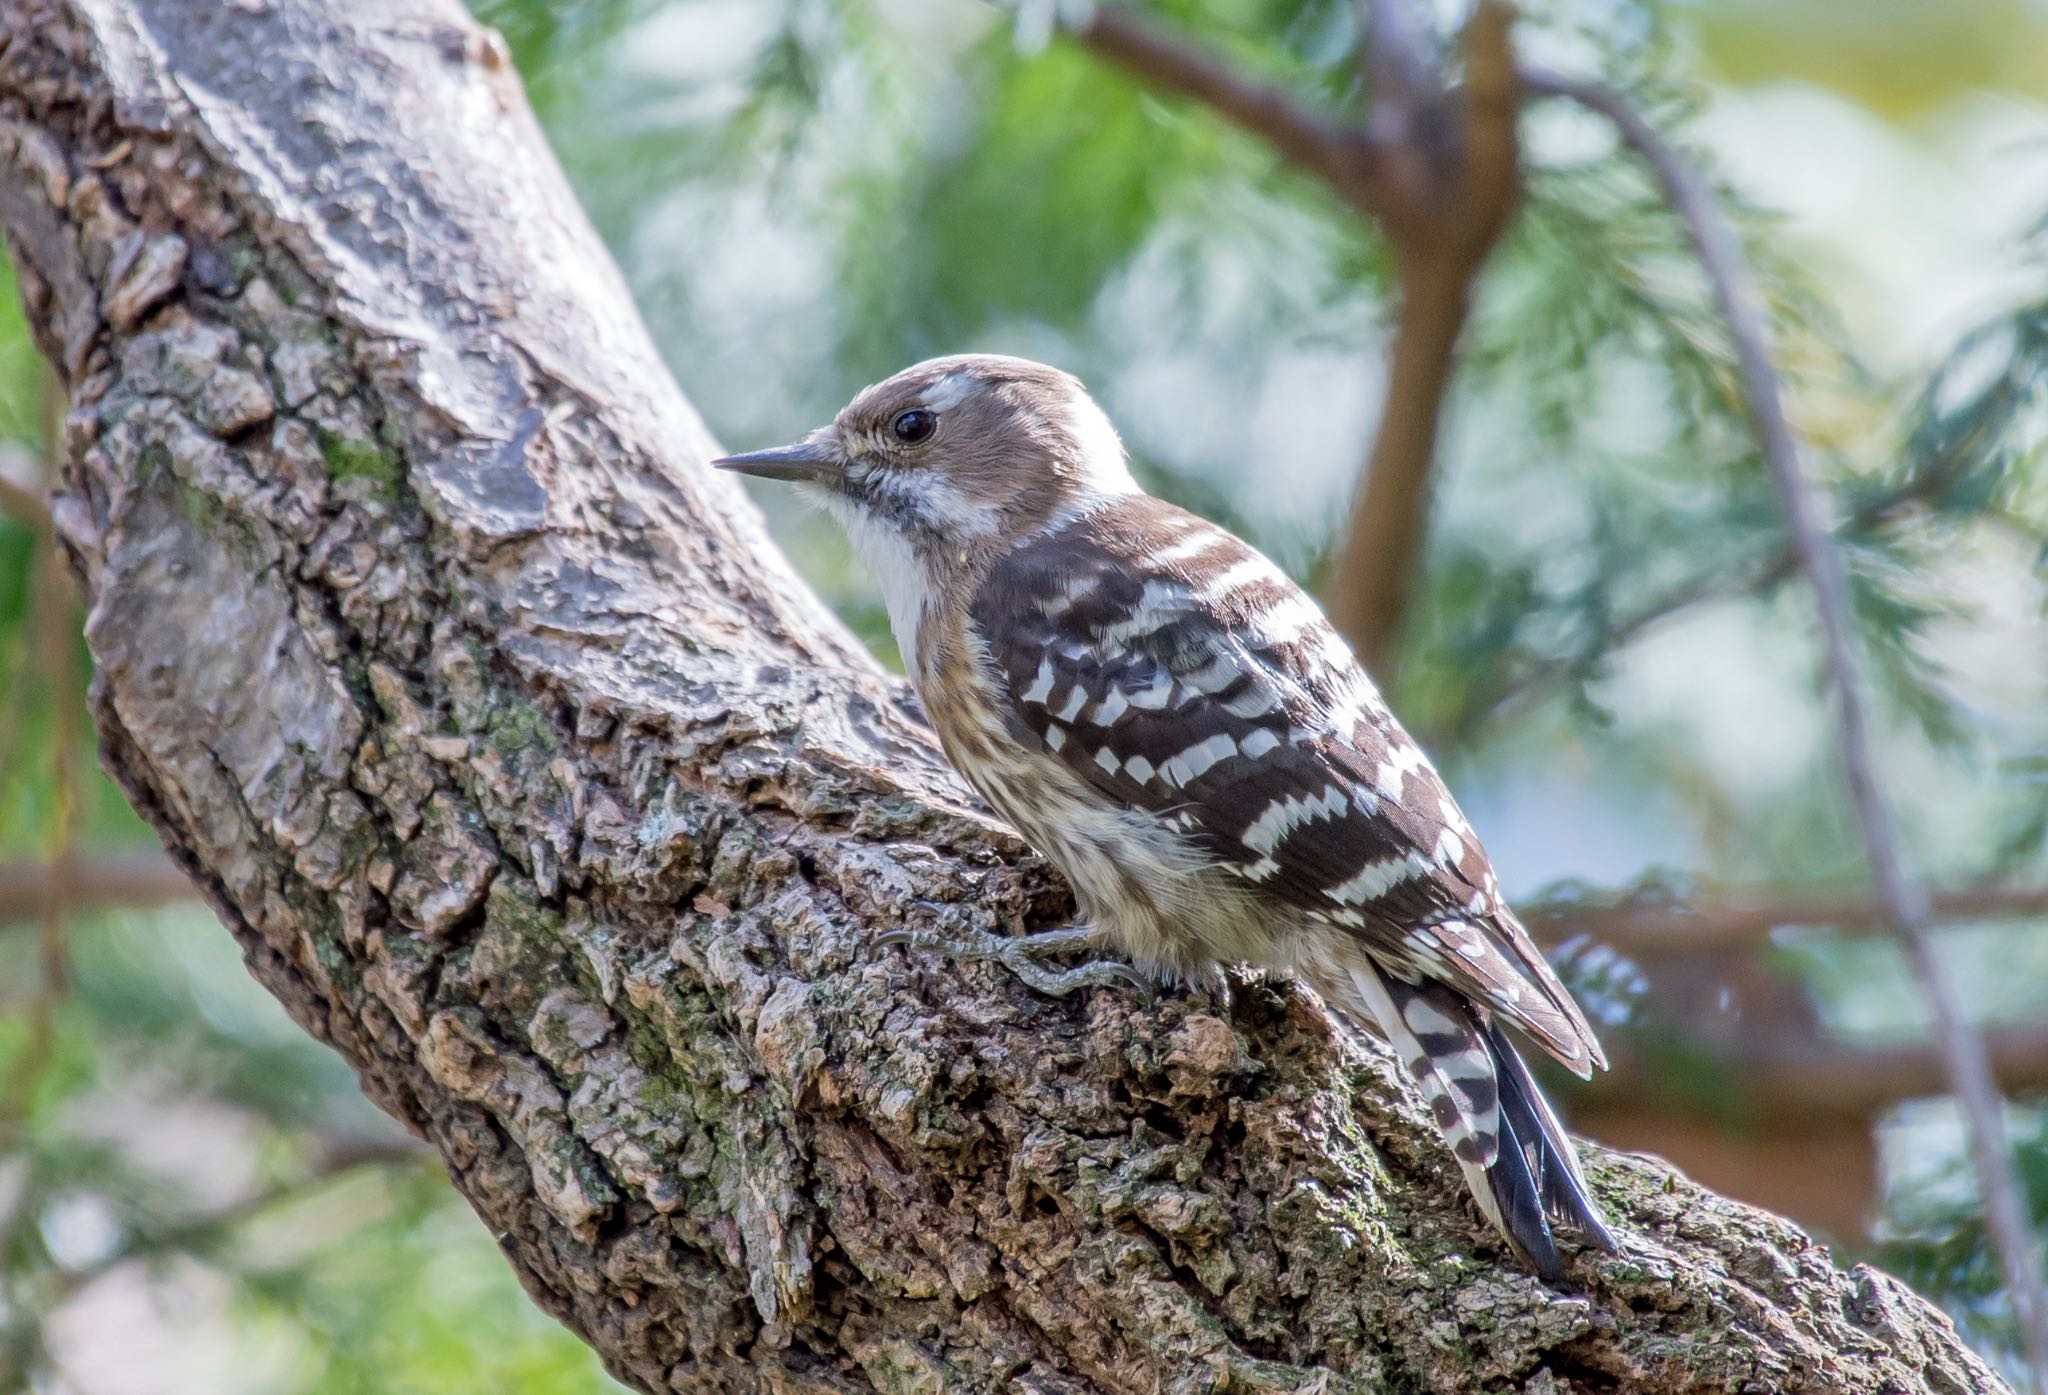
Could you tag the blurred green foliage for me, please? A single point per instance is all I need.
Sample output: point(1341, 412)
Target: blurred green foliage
point(1610, 654)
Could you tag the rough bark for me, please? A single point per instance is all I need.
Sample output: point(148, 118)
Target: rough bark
point(530, 779)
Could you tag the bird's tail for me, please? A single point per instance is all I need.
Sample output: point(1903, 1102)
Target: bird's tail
point(1515, 1155)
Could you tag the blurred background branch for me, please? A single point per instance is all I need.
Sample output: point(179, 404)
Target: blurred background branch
point(1906, 904)
point(1457, 183)
point(1804, 1078)
point(59, 660)
point(134, 881)
point(22, 493)
point(1733, 919)
point(1319, 145)
point(1435, 171)
point(1632, 923)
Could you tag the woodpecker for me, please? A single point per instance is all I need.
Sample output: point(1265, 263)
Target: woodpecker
point(1174, 723)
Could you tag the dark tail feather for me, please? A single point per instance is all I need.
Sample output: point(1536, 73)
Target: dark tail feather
point(1527, 1120)
point(1515, 1156)
point(1521, 1207)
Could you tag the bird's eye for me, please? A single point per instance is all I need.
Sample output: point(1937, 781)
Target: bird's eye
point(914, 425)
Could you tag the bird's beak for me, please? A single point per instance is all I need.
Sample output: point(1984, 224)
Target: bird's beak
point(815, 459)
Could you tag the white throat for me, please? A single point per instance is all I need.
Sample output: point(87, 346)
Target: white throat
point(895, 566)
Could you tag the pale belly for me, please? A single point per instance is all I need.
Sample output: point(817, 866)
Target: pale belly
point(1151, 892)
point(1156, 898)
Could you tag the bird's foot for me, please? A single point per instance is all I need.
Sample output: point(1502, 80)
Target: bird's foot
point(1019, 954)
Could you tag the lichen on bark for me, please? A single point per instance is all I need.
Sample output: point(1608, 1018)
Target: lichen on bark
point(530, 779)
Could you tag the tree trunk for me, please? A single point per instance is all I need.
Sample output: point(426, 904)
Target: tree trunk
point(530, 778)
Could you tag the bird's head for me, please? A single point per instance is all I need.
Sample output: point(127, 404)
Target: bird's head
point(957, 451)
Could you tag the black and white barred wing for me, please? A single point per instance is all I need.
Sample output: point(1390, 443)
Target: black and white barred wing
point(1176, 670)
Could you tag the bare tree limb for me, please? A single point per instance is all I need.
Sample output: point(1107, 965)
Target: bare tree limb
point(1457, 183)
point(1369, 585)
point(1453, 166)
point(1906, 901)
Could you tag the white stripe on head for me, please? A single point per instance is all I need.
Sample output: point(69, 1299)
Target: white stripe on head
point(1105, 470)
point(949, 391)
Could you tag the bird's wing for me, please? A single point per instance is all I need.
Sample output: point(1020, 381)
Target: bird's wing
point(1176, 670)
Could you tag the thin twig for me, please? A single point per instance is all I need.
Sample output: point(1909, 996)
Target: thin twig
point(1905, 900)
point(56, 651)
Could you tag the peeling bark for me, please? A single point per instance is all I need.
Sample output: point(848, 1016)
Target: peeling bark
point(530, 779)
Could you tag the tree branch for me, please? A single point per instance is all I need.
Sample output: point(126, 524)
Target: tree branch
point(1737, 920)
point(1302, 136)
point(141, 880)
point(1713, 921)
point(1456, 184)
point(1906, 902)
point(1369, 585)
point(1436, 172)
point(529, 777)
point(53, 621)
point(1809, 1079)
point(21, 493)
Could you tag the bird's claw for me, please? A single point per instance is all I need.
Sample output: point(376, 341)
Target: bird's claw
point(1019, 954)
